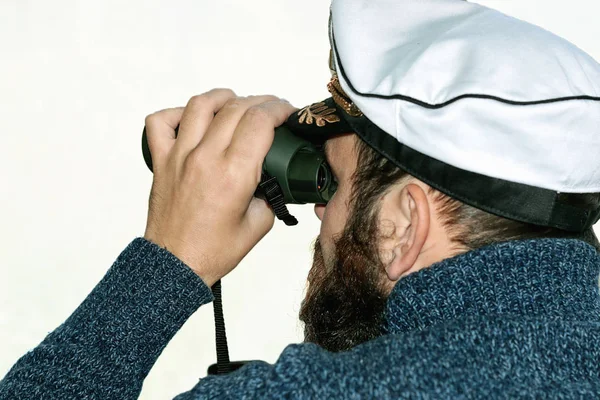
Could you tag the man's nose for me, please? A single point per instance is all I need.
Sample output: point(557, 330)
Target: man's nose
point(319, 211)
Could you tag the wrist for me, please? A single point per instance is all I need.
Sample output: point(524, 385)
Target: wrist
point(191, 262)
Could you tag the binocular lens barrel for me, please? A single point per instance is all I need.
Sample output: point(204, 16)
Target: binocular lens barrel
point(299, 167)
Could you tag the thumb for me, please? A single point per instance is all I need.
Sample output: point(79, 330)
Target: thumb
point(259, 219)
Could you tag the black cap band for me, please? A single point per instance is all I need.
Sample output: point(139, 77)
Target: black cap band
point(507, 199)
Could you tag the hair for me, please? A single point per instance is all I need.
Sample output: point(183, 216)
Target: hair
point(468, 227)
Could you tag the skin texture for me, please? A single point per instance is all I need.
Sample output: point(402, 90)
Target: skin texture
point(188, 213)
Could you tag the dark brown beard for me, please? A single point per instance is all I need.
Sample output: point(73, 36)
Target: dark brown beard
point(345, 302)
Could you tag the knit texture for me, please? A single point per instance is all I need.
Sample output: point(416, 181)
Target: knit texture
point(519, 319)
point(106, 348)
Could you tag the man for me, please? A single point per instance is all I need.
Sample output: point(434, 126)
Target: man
point(456, 259)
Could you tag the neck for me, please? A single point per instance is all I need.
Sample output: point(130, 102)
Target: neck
point(536, 278)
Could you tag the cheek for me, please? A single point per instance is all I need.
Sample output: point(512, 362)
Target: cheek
point(334, 219)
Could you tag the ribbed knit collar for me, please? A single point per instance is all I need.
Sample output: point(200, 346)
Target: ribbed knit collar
point(553, 278)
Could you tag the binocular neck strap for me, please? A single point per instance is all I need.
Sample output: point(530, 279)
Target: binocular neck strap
point(223, 364)
point(274, 196)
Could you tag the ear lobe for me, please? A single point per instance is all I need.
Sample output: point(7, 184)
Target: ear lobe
point(415, 206)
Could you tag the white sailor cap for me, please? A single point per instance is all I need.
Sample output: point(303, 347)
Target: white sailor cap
point(488, 109)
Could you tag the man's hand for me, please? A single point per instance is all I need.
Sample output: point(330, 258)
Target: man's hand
point(201, 205)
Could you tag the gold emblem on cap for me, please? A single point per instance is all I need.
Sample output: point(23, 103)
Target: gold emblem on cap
point(319, 113)
point(341, 98)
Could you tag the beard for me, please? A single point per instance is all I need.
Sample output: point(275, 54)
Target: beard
point(345, 300)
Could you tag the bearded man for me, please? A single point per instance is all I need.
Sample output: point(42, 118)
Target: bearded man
point(455, 260)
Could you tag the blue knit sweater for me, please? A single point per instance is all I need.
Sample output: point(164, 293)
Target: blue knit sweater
point(518, 319)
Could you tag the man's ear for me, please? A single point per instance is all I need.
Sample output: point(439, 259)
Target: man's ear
point(412, 220)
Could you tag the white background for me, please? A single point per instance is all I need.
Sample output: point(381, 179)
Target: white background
point(77, 79)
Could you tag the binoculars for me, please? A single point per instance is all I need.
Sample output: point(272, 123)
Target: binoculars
point(295, 171)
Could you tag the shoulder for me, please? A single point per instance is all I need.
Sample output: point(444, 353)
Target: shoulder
point(479, 357)
point(482, 355)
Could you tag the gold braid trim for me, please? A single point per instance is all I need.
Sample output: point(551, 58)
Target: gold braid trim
point(331, 64)
point(341, 98)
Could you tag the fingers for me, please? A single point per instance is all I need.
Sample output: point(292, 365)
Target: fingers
point(197, 117)
point(160, 132)
point(253, 136)
point(219, 133)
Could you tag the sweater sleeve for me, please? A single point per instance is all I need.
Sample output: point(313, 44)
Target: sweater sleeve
point(107, 347)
